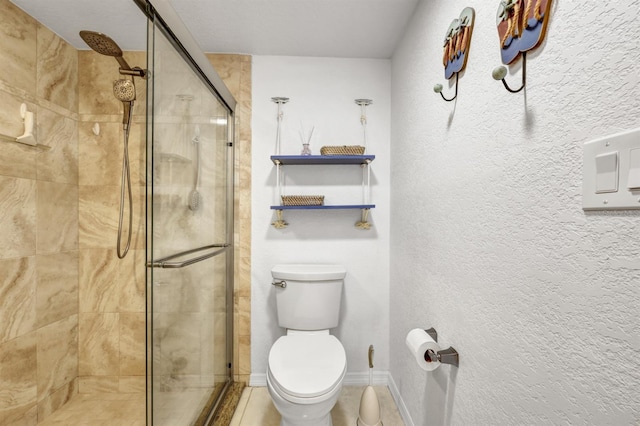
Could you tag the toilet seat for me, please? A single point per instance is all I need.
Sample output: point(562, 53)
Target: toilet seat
point(307, 366)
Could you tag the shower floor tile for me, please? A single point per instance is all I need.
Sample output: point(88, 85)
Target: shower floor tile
point(255, 408)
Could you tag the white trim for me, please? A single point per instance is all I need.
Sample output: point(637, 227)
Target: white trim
point(380, 378)
point(258, 380)
point(402, 408)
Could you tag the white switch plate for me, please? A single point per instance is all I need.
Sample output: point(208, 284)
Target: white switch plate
point(621, 196)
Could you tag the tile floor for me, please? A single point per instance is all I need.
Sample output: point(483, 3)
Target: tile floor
point(256, 409)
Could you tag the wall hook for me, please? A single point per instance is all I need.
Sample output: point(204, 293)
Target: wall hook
point(499, 73)
point(438, 89)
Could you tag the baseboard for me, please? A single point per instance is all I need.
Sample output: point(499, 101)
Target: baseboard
point(258, 380)
point(380, 378)
point(402, 408)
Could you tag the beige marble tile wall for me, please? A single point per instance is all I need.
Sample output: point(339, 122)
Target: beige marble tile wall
point(38, 221)
point(235, 71)
point(111, 336)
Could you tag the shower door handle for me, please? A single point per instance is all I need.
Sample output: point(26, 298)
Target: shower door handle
point(164, 262)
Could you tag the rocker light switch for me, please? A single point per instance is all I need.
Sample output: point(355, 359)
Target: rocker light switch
point(607, 172)
point(611, 172)
point(633, 179)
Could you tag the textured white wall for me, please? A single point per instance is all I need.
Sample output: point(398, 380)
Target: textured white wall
point(322, 92)
point(489, 242)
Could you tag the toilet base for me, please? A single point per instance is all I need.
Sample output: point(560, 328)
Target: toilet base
point(292, 414)
point(325, 421)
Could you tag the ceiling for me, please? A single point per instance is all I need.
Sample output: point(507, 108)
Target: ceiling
point(330, 28)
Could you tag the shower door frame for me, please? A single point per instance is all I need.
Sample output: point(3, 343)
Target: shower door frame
point(161, 13)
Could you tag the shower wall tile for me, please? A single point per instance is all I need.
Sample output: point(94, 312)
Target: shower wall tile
point(98, 384)
point(57, 68)
point(18, 44)
point(57, 287)
point(110, 284)
point(95, 84)
point(244, 316)
point(60, 134)
point(133, 282)
point(98, 217)
point(100, 273)
point(137, 153)
point(98, 343)
point(56, 399)
point(17, 297)
point(132, 344)
point(57, 355)
point(100, 156)
point(57, 217)
point(18, 381)
point(179, 338)
point(244, 350)
point(132, 384)
point(17, 217)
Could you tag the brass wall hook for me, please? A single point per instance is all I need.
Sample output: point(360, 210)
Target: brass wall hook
point(499, 73)
point(438, 89)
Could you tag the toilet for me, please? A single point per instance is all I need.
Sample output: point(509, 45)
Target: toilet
point(307, 366)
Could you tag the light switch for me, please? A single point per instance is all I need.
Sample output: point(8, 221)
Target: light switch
point(611, 172)
point(633, 179)
point(607, 172)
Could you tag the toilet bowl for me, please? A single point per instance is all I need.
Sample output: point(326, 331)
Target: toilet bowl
point(307, 366)
point(305, 375)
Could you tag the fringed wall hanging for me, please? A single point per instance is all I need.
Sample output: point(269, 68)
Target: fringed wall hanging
point(457, 42)
point(522, 25)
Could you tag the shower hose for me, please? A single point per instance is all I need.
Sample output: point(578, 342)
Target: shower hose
point(125, 186)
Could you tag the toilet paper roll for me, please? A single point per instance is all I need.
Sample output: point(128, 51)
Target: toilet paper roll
point(419, 342)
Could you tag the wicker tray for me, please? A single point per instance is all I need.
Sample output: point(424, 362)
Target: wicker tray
point(342, 150)
point(302, 200)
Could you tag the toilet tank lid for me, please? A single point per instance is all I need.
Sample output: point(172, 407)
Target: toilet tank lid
point(308, 272)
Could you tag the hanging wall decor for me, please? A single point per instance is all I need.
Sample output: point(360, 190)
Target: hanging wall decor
point(456, 47)
point(522, 25)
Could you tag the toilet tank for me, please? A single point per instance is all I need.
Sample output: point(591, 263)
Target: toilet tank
point(312, 296)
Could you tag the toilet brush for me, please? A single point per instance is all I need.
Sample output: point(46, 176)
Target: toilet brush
point(369, 414)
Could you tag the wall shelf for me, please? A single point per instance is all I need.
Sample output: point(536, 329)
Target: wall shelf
point(287, 160)
point(328, 207)
point(306, 160)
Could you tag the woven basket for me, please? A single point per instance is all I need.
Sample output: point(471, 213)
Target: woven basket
point(302, 200)
point(342, 150)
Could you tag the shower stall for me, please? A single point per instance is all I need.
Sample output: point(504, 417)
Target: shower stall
point(189, 226)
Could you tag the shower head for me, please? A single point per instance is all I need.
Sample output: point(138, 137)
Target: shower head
point(104, 45)
point(125, 91)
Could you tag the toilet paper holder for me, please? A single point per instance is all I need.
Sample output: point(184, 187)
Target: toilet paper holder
point(445, 356)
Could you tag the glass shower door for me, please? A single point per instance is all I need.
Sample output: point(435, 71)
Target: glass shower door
point(189, 226)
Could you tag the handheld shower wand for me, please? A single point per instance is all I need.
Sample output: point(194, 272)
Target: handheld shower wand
point(124, 90)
